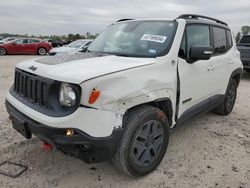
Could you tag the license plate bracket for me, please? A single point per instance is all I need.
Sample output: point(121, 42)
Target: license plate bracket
point(21, 126)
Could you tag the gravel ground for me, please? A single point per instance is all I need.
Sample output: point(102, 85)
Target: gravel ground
point(210, 151)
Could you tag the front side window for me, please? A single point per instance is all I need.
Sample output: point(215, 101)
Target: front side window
point(197, 35)
point(136, 39)
point(21, 41)
point(182, 51)
point(220, 40)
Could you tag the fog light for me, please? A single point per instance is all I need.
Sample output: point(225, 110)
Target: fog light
point(70, 132)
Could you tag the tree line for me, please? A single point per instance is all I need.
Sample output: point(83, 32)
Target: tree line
point(69, 37)
point(243, 31)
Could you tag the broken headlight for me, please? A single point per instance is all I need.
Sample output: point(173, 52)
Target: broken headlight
point(67, 95)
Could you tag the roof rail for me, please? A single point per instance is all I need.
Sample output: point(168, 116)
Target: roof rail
point(125, 19)
point(196, 16)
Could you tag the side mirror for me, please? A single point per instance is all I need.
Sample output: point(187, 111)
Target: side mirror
point(84, 49)
point(200, 53)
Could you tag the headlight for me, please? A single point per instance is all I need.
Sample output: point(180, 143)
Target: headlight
point(67, 95)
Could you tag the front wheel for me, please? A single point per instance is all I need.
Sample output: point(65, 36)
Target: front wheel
point(227, 105)
point(42, 51)
point(2, 51)
point(144, 141)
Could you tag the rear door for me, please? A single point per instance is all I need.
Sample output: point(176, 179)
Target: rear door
point(31, 46)
point(197, 82)
point(222, 54)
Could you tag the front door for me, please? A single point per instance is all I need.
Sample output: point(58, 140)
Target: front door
point(197, 80)
point(18, 47)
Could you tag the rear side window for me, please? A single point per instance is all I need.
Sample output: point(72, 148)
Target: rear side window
point(31, 41)
point(197, 35)
point(229, 39)
point(220, 40)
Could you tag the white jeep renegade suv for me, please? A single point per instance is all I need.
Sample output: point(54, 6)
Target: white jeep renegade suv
point(138, 80)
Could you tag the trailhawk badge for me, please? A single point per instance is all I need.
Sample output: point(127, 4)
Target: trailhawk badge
point(33, 68)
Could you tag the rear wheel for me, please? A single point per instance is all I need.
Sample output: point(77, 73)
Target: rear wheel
point(227, 105)
point(42, 51)
point(2, 51)
point(144, 142)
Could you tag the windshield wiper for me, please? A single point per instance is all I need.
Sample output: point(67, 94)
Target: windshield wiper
point(123, 55)
point(97, 53)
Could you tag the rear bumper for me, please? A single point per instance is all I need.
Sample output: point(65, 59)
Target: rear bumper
point(81, 145)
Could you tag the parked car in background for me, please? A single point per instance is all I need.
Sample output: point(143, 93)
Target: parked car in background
point(244, 48)
point(66, 42)
point(72, 48)
point(54, 43)
point(8, 39)
point(25, 46)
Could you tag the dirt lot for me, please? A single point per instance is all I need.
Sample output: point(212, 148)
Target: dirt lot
point(211, 151)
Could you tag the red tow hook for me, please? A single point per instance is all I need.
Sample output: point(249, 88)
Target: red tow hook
point(47, 147)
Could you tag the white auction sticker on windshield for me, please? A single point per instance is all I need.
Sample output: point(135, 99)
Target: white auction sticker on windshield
point(154, 38)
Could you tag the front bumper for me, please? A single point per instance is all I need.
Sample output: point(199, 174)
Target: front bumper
point(52, 53)
point(93, 122)
point(81, 145)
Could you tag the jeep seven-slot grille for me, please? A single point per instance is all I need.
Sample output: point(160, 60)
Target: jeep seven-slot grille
point(31, 87)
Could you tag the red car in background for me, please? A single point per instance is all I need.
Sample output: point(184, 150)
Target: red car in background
point(25, 46)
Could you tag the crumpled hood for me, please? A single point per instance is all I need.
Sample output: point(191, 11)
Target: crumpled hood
point(64, 49)
point(80, 67)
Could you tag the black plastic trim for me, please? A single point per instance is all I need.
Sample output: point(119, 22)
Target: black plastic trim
point(200, 108)
point(99, 149)
point(196, 16)
point(236, 72)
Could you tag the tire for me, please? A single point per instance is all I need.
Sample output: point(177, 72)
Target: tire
point(226, 107)
point(3, 51)
point(41, 51)
point(247, 70)
point(144, 142)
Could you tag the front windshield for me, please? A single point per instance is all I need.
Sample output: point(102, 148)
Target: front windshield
point(136, 39)
point(76, 44)
point(8, 39)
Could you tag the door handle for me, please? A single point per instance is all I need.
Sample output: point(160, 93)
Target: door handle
point(211, 67)
point(230, 62)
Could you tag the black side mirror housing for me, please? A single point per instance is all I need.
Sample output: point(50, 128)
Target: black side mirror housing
point(200, 53)
point(84, 49)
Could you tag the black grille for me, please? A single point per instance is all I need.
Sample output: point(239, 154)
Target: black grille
point(41, 94)
point(32, 88)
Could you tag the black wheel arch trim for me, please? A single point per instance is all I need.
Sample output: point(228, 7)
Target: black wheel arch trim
point(237, 72)
point(164, 104)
